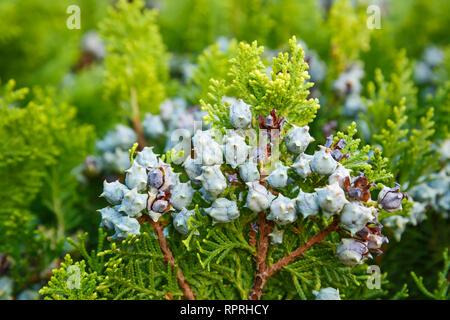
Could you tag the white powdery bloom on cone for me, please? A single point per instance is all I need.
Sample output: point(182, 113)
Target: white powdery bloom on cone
point(125, 226)
point(110, 216)
point(279, 177)
point(236, 150)
point(181, 220)
point(351, 251)
point(240, 114)
point(249, 172)
point(192, 168)
point(136, 177)
point(327, 294)
point(213, 180)
point(113, 192)
point(339, 175)
point(307, 204)
point(282, 210)
point(298, 139)
point(181, 195)
point(147, 158)
point(331, 199)
point(223, 210)
point(207, 150)
point(258, 197)
point(355, 216)
point(302, 165)
point(133, 203)
point(323, 162)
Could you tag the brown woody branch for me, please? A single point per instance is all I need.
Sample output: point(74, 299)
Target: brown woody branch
point(317, 238)
point(263, 275)
point(158, 228)
point(168, 258)
point(264, 228)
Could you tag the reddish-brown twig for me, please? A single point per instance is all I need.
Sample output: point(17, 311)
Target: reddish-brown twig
point(158, 228)
point(168, 258)
point(318, 237)
point(263, 275)
point(264, 228)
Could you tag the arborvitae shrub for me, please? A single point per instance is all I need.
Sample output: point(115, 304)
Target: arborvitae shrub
point(240, 218)
point(383, 118)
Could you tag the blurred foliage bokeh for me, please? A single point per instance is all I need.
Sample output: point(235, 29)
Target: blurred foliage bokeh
point(57, 98)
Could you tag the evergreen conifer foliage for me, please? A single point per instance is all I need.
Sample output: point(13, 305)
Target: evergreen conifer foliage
point(137, 61)
point(42, 144)
point(398, 125)
point(237, 220)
